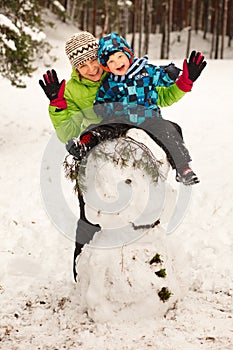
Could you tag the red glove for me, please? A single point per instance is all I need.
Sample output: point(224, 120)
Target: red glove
point(80, 148)
point(85, 139)
point(183, 82)
point(191, 71)
point(53, 89)
point(196, 64)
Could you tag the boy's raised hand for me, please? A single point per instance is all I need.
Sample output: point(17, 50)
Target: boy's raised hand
point(196, 64)
point(53, 89)
point(192, 69)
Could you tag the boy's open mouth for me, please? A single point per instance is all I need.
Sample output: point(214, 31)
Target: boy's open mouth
point(121, 68)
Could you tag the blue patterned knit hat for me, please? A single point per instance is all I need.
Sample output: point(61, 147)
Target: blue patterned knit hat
point(110, 44)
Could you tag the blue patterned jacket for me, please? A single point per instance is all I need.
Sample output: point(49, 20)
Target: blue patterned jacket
point(135, 95)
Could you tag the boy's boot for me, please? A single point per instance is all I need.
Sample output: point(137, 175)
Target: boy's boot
point(187, 176)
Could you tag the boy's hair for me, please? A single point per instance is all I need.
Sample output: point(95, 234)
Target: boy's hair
point(111, 44)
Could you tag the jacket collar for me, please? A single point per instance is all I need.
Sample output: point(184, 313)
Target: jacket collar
point(136, 66)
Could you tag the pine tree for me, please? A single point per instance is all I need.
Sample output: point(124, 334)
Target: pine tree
point(21, 39)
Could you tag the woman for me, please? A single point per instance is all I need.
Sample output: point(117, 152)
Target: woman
point(71, 103)
point(71, 111)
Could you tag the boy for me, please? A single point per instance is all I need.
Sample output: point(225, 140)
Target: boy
point(135, 89)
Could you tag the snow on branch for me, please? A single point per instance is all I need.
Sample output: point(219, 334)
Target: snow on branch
point(6, 22)
point(9, 43)
point(34, 33)
point(59, 6)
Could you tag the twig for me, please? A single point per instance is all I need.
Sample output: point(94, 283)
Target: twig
point(146, 226)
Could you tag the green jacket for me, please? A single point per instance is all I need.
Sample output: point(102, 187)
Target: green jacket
point(80, 95)
point(169, 95)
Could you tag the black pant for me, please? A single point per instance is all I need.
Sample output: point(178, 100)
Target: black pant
point(166, 134)
point(84, 232)
point(169, 137)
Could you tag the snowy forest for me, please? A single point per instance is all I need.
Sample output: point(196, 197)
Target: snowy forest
point(22, 23)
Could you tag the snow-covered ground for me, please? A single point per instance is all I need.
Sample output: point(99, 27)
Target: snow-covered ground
point(40, 305)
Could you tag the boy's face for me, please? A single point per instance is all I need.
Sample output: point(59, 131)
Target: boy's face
point(118, 63)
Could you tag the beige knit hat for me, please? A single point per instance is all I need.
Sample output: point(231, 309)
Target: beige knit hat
point(81, 47)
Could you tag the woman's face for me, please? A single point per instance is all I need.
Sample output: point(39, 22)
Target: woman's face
point(91, 70)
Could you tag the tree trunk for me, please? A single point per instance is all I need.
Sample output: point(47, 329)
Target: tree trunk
point(169, 26)
point(72, 10)
point(213, 36)
point(230, 22)
point(147, 26)
point(205, 19)
point(141, 26)
point(82, 20)
point(224, 26)
point(163, 30)
point(186, 14)
point(125, 19)
point(190, 16)
point(218, 23)
point(106, 18)
point(66, 6)
point(134, 25)
point(94, 18)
